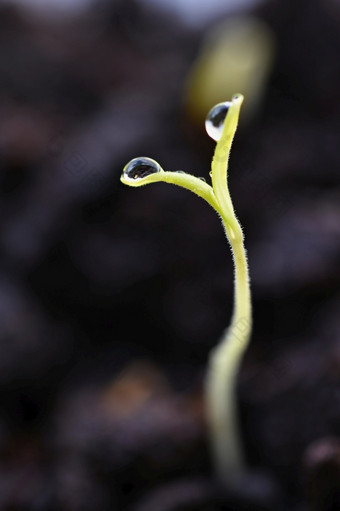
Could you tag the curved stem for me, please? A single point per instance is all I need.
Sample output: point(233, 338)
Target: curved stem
point(192, 183)
point(223, 368)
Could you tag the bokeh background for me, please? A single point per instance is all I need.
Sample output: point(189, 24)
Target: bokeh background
point(112, 297)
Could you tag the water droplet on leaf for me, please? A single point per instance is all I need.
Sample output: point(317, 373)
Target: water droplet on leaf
point(215, 120)
point(141, 167)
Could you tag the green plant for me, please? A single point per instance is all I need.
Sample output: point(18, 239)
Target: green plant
point(221, 124)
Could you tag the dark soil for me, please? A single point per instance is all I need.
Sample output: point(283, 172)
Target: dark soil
point(111, 298)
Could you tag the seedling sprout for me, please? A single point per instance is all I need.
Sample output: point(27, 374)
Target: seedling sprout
point(225, 358)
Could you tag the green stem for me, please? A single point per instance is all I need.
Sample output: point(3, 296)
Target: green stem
point(223, 368)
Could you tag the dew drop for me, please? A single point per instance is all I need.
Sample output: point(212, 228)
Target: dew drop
point(141, 167)
point(203, 179)
point(215, 120)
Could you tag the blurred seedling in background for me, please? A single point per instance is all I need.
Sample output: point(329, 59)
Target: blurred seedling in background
point(221, 378)
point(236, 54)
